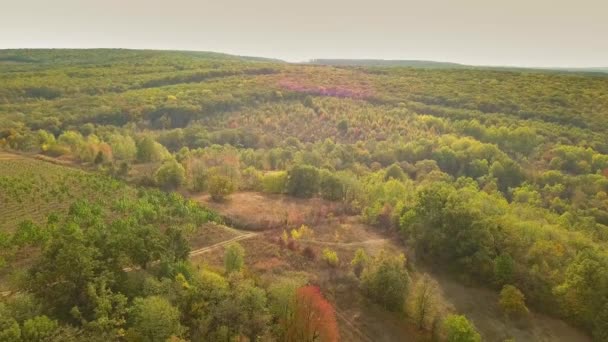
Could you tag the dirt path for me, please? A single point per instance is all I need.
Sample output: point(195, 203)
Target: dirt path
point(346, 244)
point(352, 327)
point(223, 243)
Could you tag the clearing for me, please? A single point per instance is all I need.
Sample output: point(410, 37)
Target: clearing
point(359, 319)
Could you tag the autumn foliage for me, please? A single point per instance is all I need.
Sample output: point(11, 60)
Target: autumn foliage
point(314, 318)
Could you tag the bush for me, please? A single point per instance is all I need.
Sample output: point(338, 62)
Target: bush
point(330, 257)
point(170, 175)
point(274, 182)
point(359, 262)
point(459, 329)
point(219, 187)
point(386, 281)
point(512, 301)
point(303, 181)
point(331, 186)
point(234, 258)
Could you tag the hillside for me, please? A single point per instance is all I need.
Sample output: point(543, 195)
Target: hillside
point(229, 195)
point(444, 65)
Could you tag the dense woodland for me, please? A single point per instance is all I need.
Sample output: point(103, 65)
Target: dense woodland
point(498, 177)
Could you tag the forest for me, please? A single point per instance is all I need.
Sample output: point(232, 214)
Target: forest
point(142, 196)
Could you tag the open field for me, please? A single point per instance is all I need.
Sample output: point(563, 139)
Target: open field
point(361, 319)
point(257, 211)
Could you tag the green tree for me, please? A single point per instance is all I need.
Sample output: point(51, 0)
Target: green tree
point(234, 258)
point(170, 175)
point(394, 172)
point(600, 328)
point(38, 329)
point(252, 305)
point(149, 150)
point(459, 329)
point(154, 319)
point(123, 147)
point(424, 301)
point(9, 327)
point(512, 301)
point(274, 182)
point(503, 269)
point(386, 280)
point(331, 186)
point(303, 181)
point(359, 261)
point(220, 186)
point(282, 302)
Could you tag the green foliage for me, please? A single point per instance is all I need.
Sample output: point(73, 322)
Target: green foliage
point(394, 172)
point(359, 262)
point(512, 301)
point(503, 269)
point(386, 281)
point(39, 328)
point(424, 302)
point(149, 150)
point(274, 182)
point(330, 257)
point(154, 319)
point(330, 186)
point(219, 187)
point(123, 146)
point(234, 258)
point(170, 175)
point(9, 327)
point(499, 175)
point(303, 181)
point(459, 329)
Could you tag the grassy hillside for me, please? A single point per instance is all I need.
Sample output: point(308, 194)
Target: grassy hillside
point(32, 189)
point(496, 178)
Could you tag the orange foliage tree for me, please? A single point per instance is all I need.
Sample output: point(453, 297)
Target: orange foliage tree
point(314, 318)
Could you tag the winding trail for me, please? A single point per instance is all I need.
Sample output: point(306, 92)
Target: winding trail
point(357, 243)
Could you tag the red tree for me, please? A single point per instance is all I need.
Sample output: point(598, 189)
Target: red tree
point(314, 318)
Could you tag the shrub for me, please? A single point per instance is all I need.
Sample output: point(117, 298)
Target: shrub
point(331, 186)
point(303, 181)
point(386, 281)
point(219, 187)
point(274, 182)
point(359, 262)
point(234, 258)
point(459, 329)
point(170, 175)
point(330, 257)
point(512, 301)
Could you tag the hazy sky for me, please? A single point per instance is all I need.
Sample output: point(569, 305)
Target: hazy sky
point(494, 32)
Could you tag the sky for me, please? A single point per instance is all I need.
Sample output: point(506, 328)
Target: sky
point(532, 33)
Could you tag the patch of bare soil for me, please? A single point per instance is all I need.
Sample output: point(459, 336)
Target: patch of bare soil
point(258, 211)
